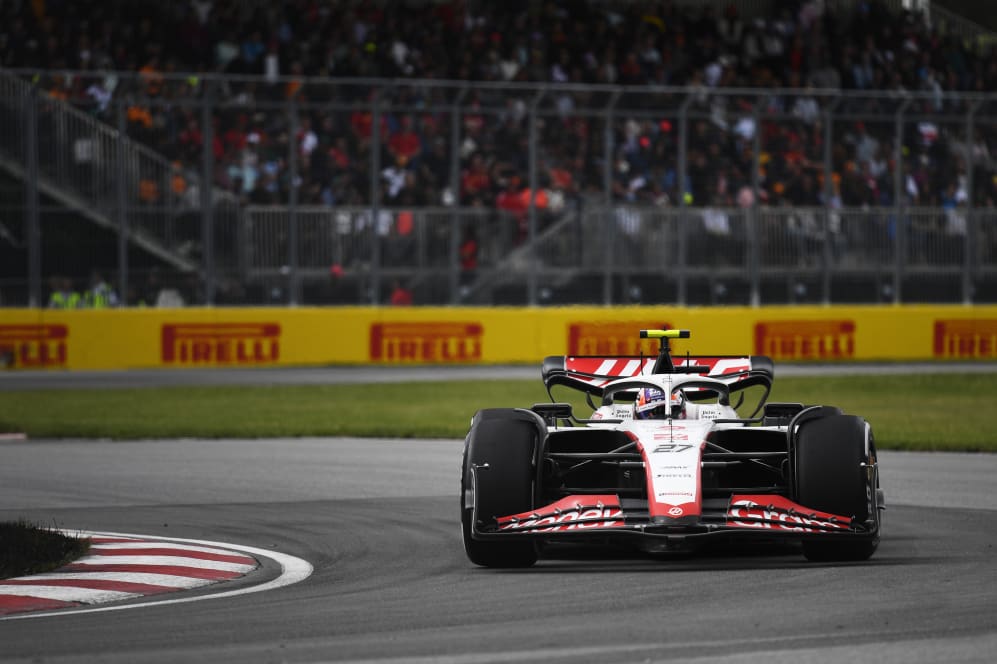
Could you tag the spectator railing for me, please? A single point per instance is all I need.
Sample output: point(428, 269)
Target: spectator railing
point(340, 248)
point(790, 254)
point(637, 253)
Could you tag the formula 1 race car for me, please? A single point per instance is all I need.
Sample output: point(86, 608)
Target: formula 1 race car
point(665, 462)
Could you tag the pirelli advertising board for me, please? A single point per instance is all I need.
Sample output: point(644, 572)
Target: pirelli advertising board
point(260, 337)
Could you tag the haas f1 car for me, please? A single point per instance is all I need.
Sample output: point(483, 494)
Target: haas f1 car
point(664, 461)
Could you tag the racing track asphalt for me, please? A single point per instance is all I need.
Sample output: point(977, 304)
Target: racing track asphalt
point(378, 520)
point(37, 380)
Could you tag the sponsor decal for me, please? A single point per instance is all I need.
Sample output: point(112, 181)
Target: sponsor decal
point(616, 338)
point(806, 339)
point(966, 338)
point(568, 514)
point(707, 412)
point(778, 513)
point(220, 343)
point(442, 342)
point(678, 435)
point(32, 346)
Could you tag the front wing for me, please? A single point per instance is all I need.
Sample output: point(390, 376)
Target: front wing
point(608, 517)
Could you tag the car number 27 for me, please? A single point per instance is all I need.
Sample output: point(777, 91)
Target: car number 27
point(671, 447)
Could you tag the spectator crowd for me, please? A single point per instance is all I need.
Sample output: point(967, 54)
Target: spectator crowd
point(704, 47)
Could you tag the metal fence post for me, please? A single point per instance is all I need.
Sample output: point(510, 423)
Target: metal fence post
point(899, 204)
point(532, 276)
point(32, 218)
point(294, 281)
point(207, 184)
point(828, 198)
point(375, 197)
point(122, 203)
point(969, 237)
point(608, 231)
point(752, 217)
point(682, 221)
point(456, 239)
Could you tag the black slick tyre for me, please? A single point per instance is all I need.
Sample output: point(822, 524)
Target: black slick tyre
point(497, 478)
point(830, 478)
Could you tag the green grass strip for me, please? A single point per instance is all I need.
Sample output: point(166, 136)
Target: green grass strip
point(922, 412)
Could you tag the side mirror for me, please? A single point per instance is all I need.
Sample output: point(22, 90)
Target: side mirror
point(552, 412)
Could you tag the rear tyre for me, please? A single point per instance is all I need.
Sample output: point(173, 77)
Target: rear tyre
point(830, 452)
point(499, 450)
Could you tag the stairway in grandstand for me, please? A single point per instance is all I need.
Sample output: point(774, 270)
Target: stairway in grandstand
point(565, 235)
point(77, 167)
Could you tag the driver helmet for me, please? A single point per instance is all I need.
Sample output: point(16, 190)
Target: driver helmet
point(654, 404)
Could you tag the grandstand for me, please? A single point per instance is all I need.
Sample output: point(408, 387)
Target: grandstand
point(742, 152)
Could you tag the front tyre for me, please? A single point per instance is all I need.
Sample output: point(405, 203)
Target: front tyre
point(497, 477)
point(830, 477)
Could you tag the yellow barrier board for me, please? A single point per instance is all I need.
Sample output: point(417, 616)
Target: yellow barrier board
point(206, 337)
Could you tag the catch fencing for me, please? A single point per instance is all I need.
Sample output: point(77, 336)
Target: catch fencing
point(569, 193)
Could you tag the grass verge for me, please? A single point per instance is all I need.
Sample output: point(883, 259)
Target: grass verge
point(29, 549)
point(923, 412)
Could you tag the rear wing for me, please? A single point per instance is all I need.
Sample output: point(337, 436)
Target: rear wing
point(591, 374)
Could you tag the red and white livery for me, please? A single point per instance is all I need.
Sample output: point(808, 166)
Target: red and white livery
point(716, 461)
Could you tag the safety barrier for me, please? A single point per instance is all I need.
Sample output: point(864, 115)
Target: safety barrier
point(216, 337)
